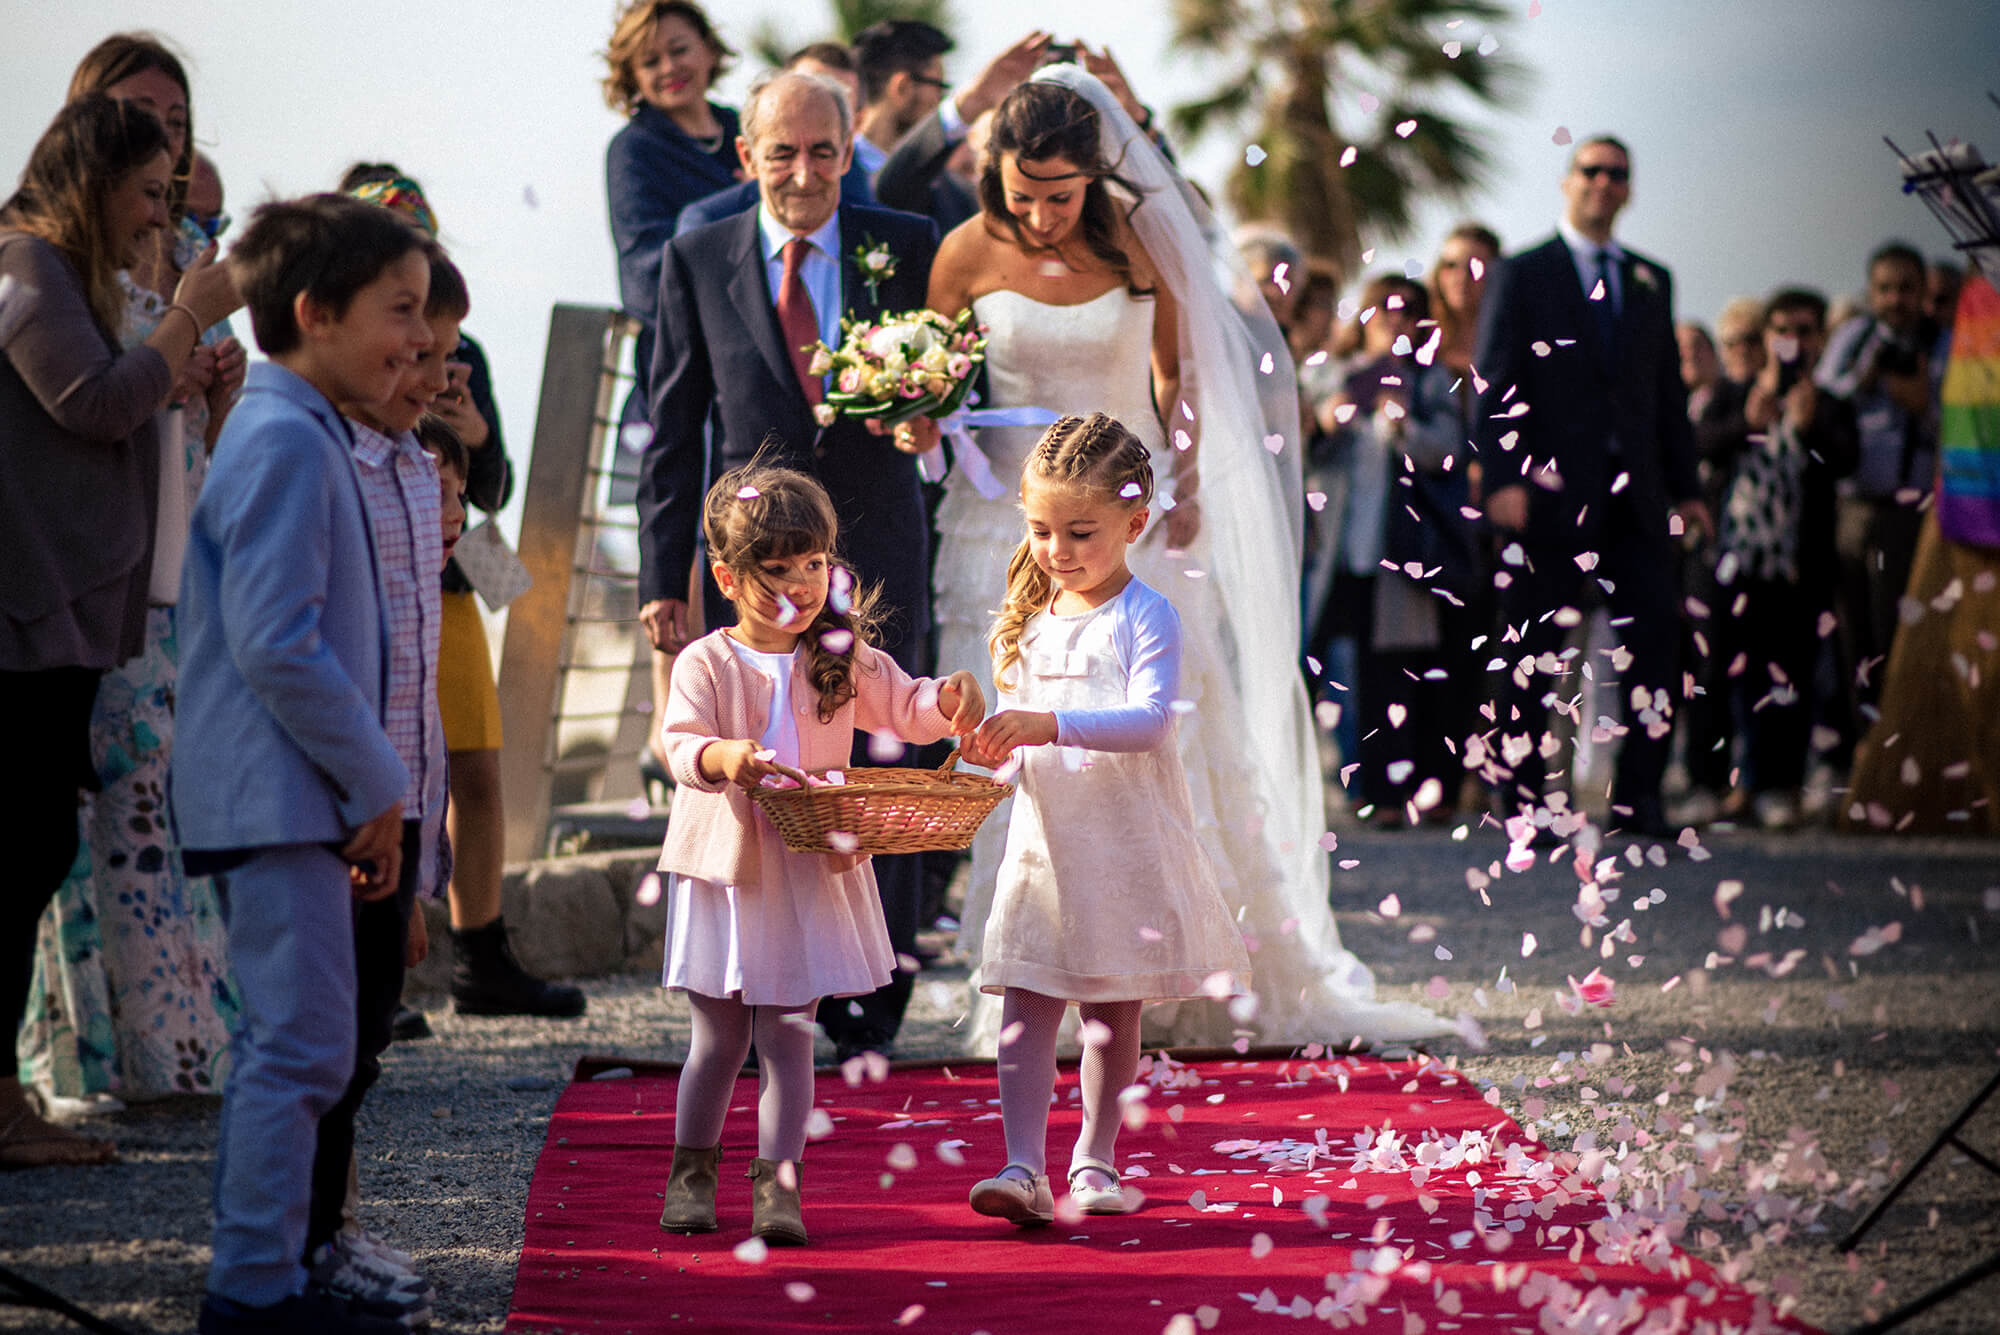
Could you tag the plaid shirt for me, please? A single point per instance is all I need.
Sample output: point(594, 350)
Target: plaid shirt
point(399, 485)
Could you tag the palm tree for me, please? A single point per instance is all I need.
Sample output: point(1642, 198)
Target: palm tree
point(1401, 62)
point(773, 43)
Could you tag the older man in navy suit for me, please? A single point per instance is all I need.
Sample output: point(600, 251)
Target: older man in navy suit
point(738, 299)
point(1590, 475)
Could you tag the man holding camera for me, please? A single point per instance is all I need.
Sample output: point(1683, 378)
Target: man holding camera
point(1779, 443)
point(1884, 363)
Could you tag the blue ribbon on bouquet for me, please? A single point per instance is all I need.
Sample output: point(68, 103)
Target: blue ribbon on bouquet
point(972, 461)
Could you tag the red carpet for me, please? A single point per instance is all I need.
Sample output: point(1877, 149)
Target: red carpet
point(1274, 1193)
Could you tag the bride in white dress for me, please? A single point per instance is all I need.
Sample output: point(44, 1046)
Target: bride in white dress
point(1105, 286)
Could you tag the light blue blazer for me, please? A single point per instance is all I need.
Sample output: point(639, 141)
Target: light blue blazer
point(278, 730)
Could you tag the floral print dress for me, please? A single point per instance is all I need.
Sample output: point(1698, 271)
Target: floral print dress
point(131, 993)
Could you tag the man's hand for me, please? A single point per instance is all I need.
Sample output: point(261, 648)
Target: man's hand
point(374, 855)
point(1105, 66)
point(961, 698)
point(743, 763)
point(666, 623)
point(1000, 76)
point(1507, 507)
point(1183, 523)
point(998, 736)
point(1801, 403)
point(915, 436)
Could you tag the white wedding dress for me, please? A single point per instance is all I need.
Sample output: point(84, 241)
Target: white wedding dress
point(1095, 356)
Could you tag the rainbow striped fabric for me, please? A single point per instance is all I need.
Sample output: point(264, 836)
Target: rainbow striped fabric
point(1968, 502)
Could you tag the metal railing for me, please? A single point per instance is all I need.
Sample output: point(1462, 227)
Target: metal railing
point(575, 667)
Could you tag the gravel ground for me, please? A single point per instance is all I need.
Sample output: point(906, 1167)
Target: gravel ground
point(1813, 1057)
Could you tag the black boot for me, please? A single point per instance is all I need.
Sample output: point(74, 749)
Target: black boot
point(486, 979)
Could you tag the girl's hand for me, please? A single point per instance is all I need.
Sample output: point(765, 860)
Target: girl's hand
point(743, 763)
point(961, 698)
point(417, 948)
point(231, 364)
point(1010, 728)
point(197, 374)
point(455, 406)
point(1183, 524)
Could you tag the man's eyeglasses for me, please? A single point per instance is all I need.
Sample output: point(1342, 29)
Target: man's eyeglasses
point(1794, 330)
point(1616, 175)
point(942, 85)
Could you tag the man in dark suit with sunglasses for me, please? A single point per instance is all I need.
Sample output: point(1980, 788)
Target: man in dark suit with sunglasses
point(1590, 476)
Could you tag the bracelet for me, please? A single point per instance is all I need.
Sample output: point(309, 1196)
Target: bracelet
point(188, 311)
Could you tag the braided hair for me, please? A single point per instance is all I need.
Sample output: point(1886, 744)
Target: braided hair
point(1097, 456)
point(761, 512)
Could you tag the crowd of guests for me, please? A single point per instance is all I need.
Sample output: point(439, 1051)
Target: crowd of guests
point(161, 635)
point(1494, 454)
point(1813, 430)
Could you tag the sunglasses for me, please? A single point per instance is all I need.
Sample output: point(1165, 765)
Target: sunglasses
point(1616, 175)
point(211, 225)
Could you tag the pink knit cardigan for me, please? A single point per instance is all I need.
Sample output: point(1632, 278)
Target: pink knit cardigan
point(716, 831)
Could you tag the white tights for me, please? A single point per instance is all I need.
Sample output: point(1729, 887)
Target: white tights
point(1028, 1073)
point(722, 1032)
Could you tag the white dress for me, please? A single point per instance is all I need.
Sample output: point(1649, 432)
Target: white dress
point(1096, 356)
point(1105, 894)
point(809, 932)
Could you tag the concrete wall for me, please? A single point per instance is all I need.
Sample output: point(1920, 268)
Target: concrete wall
point(567, 918)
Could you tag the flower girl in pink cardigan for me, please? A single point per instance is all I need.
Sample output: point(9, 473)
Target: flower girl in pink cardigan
point(757, 933)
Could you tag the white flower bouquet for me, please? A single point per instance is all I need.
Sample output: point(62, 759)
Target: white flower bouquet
point(917, 364)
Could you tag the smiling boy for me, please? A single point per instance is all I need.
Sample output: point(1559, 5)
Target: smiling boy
point(286, 787)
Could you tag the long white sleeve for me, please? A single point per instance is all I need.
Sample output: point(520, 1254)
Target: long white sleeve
point(1148, 640)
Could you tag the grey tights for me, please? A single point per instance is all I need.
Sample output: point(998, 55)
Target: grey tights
point(722, 1033)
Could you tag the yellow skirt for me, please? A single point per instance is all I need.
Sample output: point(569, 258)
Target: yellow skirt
point(466, 695)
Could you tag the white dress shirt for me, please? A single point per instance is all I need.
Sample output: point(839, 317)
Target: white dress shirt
point(819, 269)
point(1583, 251)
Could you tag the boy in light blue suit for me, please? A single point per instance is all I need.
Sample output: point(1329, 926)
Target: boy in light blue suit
point(285, 786)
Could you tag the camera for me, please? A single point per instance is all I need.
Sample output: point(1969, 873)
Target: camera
point(1061, 53)
point(1789, 369)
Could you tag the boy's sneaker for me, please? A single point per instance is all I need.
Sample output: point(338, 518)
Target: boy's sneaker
point(371, 1285)
point(313, 1312)
point(362, 1242)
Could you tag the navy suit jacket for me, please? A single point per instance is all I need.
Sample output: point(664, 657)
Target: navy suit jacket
point(1573, 396)
point(720, 352)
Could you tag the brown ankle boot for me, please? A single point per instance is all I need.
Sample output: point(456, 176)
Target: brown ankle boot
point(690, 1193)
point(775, 1214)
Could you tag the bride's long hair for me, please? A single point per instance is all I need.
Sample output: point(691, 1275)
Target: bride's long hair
point(1095, 455)
point(1039, 121)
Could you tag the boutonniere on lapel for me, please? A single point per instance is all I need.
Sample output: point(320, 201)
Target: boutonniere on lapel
point(1643, 275)
point(877, 265)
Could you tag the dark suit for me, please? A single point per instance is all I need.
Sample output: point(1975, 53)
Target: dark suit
point(720, 358)
point(1601, 437)
point(914, 177)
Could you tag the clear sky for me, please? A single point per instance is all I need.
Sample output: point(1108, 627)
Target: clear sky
point(1756, 125)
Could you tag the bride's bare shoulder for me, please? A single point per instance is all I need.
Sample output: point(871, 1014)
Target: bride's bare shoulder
point(970, 256)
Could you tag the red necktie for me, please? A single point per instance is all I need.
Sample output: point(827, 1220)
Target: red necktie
point(797, 320)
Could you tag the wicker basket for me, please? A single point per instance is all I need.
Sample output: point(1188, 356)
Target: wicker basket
point(885, 810)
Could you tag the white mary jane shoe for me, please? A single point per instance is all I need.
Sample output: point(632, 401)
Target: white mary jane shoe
point(1093, 1199)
